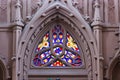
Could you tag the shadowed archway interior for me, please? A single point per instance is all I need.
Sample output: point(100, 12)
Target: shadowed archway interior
point(116, 72)
point(2, 71)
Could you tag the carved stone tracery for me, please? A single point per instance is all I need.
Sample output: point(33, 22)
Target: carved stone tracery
point(34, 36)
point(3, 11)
point(35, 5)
point(80, 6)
point(111, 11)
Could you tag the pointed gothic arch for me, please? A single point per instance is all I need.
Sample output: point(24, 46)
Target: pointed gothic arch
point(2, 70)
point(46, 17)
point(112, 74)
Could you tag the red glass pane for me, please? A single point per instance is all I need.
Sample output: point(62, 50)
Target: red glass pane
point(57, 64)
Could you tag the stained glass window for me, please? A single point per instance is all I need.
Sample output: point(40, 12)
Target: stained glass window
point(45, 43)
point(57, 64)
point(57, 34)
point(57, 48)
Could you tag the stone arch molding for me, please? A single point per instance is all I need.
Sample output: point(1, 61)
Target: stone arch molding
point(45, 15)
point(3, 68)
point(112, 64)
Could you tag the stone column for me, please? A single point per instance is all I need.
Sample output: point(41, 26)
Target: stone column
point(17, 28)
point(97, 27)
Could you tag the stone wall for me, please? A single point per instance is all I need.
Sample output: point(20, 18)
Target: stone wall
point(109, 12)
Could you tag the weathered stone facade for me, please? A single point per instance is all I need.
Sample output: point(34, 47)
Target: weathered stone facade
point(94, 23)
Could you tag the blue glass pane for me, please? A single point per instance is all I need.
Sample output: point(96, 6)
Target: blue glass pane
point(57, 50)
point(37, 62)
point(41, 59)
point(57, 35)
point(72, 58)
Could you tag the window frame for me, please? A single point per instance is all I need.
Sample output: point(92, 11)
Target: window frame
point(72, 34)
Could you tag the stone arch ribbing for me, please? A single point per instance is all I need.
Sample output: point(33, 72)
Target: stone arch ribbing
point(3, 70)
point(76, 19)
point(112, 64)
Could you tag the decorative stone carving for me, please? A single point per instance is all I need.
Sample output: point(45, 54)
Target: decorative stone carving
point(97, 21)
point(13, 2)
point(3, 11)
point(39, 3)
point(111, 11)
point(36, 4)
point(18, 17)
point(119, 9)
point(30, 42)
point(74, 2)
point(2, 58)
point(34, 36)
point(79, 5)
point(87, 18)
